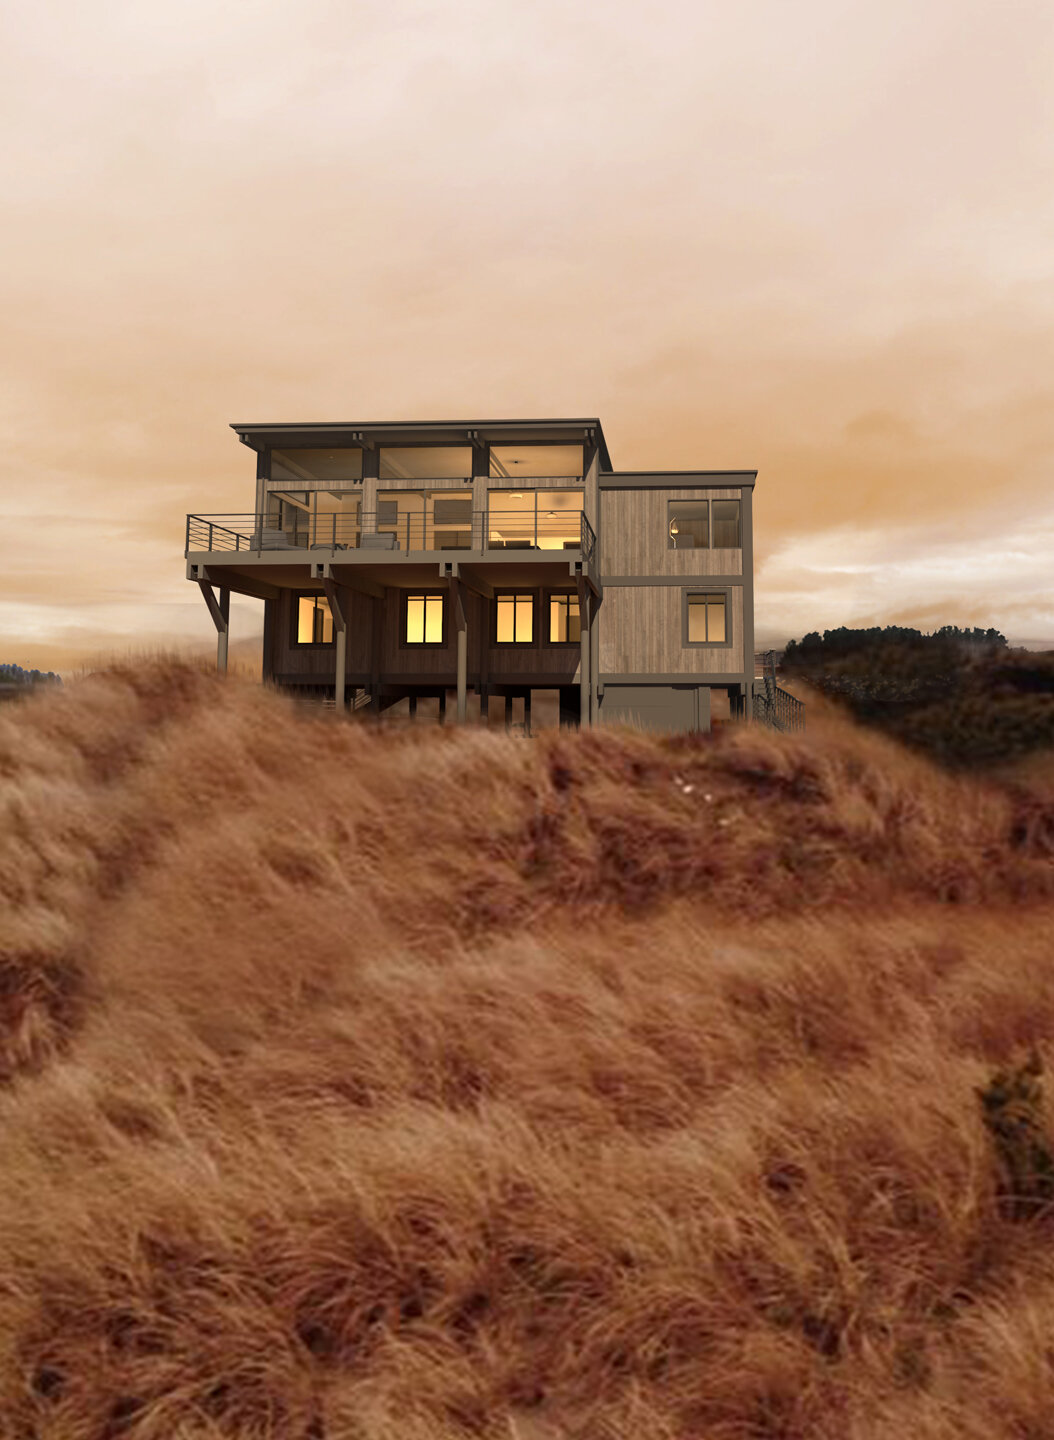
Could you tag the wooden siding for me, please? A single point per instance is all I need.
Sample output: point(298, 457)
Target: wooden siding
point(633, 536)
point(641, 633)
point(553, 664)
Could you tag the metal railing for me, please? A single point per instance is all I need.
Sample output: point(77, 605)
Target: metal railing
point(476, 530)
point(776, 707)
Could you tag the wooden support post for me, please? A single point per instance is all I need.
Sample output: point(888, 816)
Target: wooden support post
point(338, 610)
point(457, 605)
point(223, 635)
point(594, 661)
point(220, 610)
point(442, 707)
point(584, 686)
point(413, 707)
point(508, 711)
point(484, 707)
point(526, 712)
point(377, 642)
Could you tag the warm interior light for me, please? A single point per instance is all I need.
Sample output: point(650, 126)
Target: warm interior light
point(674, 527)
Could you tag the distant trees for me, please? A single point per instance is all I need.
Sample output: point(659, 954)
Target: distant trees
point(840, 643)
point(15, 675)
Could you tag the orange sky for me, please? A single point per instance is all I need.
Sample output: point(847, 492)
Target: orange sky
point(811, 238)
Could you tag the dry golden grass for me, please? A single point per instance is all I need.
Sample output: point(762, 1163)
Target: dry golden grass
point(425, 1085)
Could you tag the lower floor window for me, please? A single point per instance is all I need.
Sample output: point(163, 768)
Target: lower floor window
point(707, 621)
point(314, 621)
point(565, 625)
point(424, 619)
point(515, 619)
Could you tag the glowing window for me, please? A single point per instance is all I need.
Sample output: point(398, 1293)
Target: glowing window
point(565, 625)
point(707, 621)
point(515, 619)
point(424, 619)
point(314, 621)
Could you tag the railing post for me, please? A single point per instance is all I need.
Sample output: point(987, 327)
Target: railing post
point(210, 535)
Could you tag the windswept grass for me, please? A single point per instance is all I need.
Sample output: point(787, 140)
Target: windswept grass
point(361, 1085)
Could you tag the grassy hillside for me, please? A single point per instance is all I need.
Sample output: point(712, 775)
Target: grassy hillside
point(421, 1085)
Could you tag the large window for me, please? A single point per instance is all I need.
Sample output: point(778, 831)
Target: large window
point(703, 525)
point(313, 621)
point(565, 624)
point(534, 519)
point(426, 519)
point(318, 464)
point(425, 462)
point(706, 621)
point(536, 461)
point(424, 620)
point(514, 616)
point(688, 524)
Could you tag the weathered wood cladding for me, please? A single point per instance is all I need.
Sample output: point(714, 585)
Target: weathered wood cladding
point(641, 633)
point(634, 539)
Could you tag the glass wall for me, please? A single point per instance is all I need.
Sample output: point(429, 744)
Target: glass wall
point(316, 464)
point(534, 519)
point(565, 624)
point(555, 462)
point(688, 526)
point(726, 525)
point(315, 517)
point(426, 462)
point(426, 519)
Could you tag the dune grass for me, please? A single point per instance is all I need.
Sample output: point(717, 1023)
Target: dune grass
point(363, 1084)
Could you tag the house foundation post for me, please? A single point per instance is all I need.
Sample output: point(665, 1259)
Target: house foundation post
point(220, 610)
point(457, 602)
point(584, 676)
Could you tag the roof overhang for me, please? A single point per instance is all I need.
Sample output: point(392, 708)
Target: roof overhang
point(428, 432)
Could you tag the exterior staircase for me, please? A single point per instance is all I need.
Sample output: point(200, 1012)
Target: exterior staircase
point(773, 705)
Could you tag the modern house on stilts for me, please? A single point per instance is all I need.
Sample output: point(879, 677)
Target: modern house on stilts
point(492, 560)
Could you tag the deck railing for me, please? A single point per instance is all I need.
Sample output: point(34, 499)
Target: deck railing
point(439, 530)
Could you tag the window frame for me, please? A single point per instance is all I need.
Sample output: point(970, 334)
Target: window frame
point(428, 591)
point(709, 501)
point(530, 644)
point(701, 588)
point(547, 596)
point(294, 627)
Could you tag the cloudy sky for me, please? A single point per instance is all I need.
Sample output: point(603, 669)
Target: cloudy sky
point(814, 238)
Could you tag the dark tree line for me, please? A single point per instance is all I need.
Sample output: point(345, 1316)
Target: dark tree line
point(15, 675)
point(836, 644)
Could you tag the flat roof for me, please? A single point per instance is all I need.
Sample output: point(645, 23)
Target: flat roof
point(427, 432)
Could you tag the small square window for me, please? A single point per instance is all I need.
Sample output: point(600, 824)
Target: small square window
point(424, 620)
point(707, 619)
point(514, 619)
point(687, 525)
point(314, 621)
point(565, 624)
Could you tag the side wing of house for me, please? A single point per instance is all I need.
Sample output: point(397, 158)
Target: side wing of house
point(676, 623)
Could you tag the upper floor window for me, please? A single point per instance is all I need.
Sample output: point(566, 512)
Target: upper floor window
point(314, 620)
point(425, 462)
point(526, 462)
point(565, 624)
point(688, 524)
point(424, 620)
point(534, 519)
point(726, 525)
point(703, 525)
point(316, 464)
point(514, 619)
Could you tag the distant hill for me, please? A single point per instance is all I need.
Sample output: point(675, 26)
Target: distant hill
point(962, 696)
point(15, 681)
